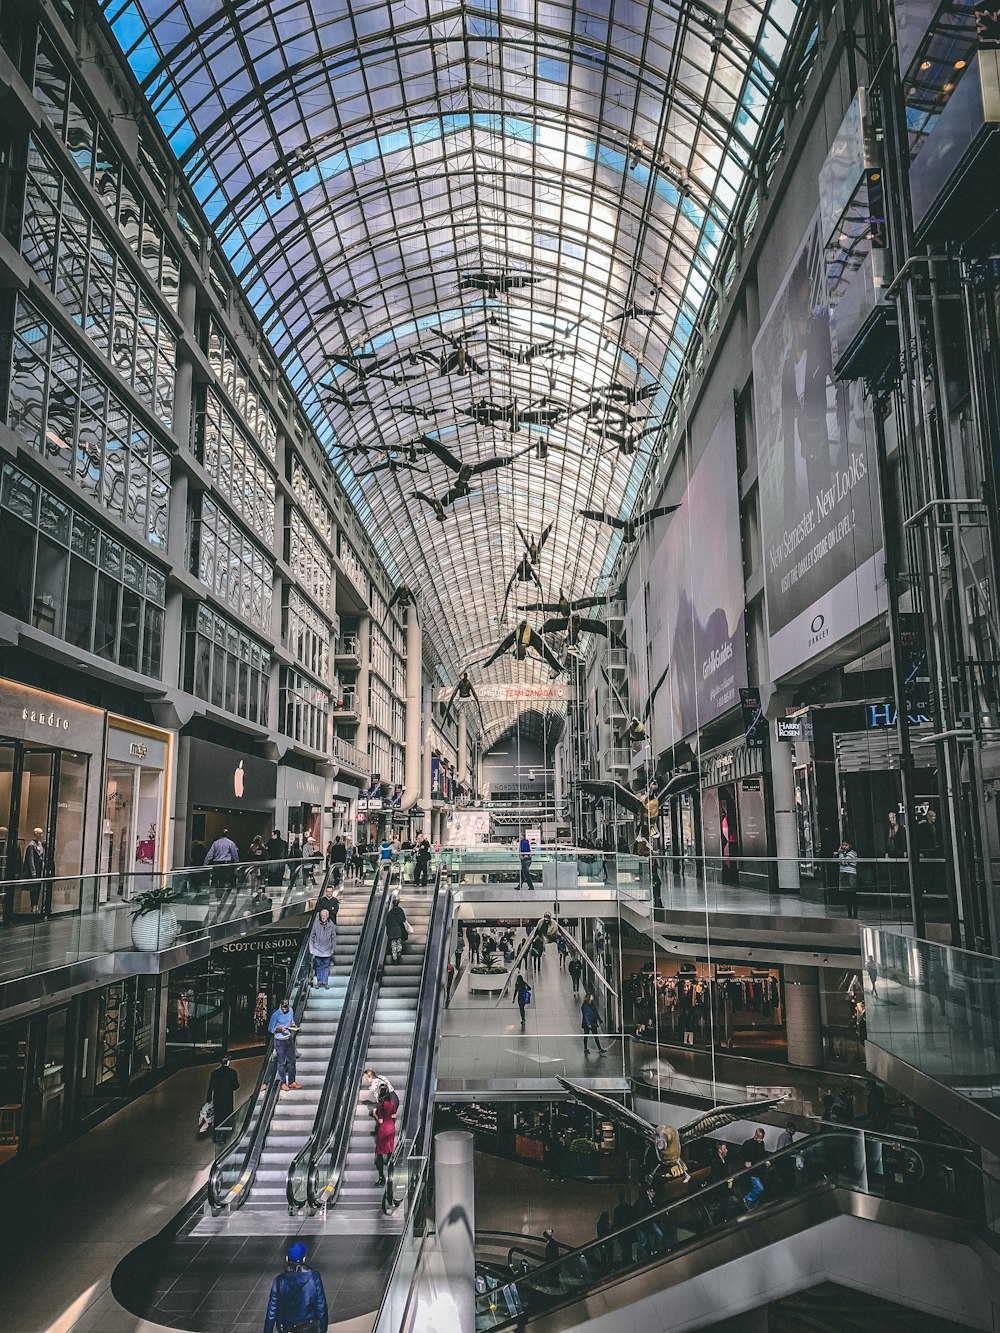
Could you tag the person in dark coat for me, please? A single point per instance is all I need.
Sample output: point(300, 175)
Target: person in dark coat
point(297, 1295)
point(385, 1136)
point(590, 1018)
point(327, 899)
point(222, 1094)
point(520, 986)
point(421, 862)
point(575, 972)
point(277, 850)
point(753, 1151)
point(551, 1246)
point(33, 868)
point(395, 928)
point(720, 1168)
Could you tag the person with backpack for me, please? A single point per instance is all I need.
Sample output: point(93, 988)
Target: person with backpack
point(297, 1299)
point(562, 948)
point(396, 928)
point(337, 860)
point(522, 994)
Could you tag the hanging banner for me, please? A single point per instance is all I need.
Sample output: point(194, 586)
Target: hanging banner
point(821, 527)
point(502, 694)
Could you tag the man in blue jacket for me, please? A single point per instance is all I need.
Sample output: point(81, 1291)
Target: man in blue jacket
point(297, 1295)
point(282, 1028)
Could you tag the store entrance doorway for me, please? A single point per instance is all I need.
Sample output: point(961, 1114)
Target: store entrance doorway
point(42, 797)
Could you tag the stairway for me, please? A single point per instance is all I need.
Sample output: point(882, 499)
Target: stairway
point(388, 1053)
point(294, 1114)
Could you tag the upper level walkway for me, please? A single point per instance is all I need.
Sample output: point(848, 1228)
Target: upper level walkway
point(104, 935)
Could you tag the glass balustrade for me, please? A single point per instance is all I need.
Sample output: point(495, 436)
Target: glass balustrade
point(180, 906)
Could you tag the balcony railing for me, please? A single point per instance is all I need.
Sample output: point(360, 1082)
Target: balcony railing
point(347, 645)
point(349, 754)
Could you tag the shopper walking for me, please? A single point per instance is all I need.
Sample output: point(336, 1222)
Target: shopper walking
point(380, 1088)
point(575, 972)
point(522, 993)
point(421, 862)
point(524, 851)
point(337, 860)
point(222, 856)
point(222, 1094)
point(328, 899)
point(385, 1136)
point(459, 950)
point(277, 851)
point(294, 861)
point(848, 859)
point(283, 1029)
point(871, 967)
point(297, 1299)
point(537, 952)
point(322, 943)
point(475, 943)
point(350, 860)
point(562, 949)
point(397, 929)
point(590, 1019)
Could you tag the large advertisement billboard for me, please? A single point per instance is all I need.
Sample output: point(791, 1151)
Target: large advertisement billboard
point(696, 632)
point(821, 530)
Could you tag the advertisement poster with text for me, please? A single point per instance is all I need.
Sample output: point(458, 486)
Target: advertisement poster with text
point(696, 581)
point(821, 529)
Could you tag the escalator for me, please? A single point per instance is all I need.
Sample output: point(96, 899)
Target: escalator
point(396, 1034)
point(814, 1180)
point(251, 1172)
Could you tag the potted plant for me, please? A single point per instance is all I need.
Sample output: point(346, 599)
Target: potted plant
point(154, 921)
point(489, 977)
point(584, 1153)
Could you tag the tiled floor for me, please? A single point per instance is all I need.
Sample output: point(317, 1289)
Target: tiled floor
point(65, 1225)
point(482, 1036)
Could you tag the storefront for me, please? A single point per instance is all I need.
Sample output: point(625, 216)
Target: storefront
point(137, 773)
point(37, 1064)
point(299, 804)
point(734, 814)
point(221, 788)
point(563, 1138)
point(50, 760)
point(341, 811)
point(223, 1002)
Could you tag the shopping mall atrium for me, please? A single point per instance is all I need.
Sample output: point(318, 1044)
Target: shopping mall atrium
point(499, 666)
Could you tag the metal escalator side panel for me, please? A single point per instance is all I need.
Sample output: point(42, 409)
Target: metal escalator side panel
point(232, 1174)
point(319, 1165)
point(422, 1077)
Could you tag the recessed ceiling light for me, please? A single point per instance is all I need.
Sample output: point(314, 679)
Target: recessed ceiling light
point(925, 64)
point(961, 64)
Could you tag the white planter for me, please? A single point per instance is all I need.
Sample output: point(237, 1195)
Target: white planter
point(155, 930)
point(488, 985)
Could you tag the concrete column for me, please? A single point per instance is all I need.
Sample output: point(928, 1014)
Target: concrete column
point(364, 666)
point(786, 842)
point(455, 1220)
point(462, 763)
point(802, 1019)
point(414, 708)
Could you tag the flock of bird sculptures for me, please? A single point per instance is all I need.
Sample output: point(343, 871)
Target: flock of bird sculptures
point(609, 405)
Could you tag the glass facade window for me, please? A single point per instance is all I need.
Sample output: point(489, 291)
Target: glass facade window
point(225, 667)
point(380, 652)
point(311, 502)
point(62, 407)
point(306, 635)
point(75, 258)
point(65, 103)
point(312, 564)
point(236, 381)
point(305, 709)
point(236, 468)
point(379, 752)
point(353, 568)
point(65, 576)
point(227, 562)
point(379, 704)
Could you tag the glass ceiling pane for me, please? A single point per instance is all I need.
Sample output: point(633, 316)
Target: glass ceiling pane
point(357, 159)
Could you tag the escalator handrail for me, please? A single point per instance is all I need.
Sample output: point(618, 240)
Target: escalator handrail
point(340, 1086)
point(826, 1142)
point(250, 1138)
point(430, 1006)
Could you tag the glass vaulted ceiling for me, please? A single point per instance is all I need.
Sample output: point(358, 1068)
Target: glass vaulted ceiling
point(357, 159)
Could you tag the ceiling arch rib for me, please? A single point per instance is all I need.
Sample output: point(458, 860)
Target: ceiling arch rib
point(598, 153)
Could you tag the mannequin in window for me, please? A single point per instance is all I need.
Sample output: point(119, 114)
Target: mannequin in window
point(34, 867)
